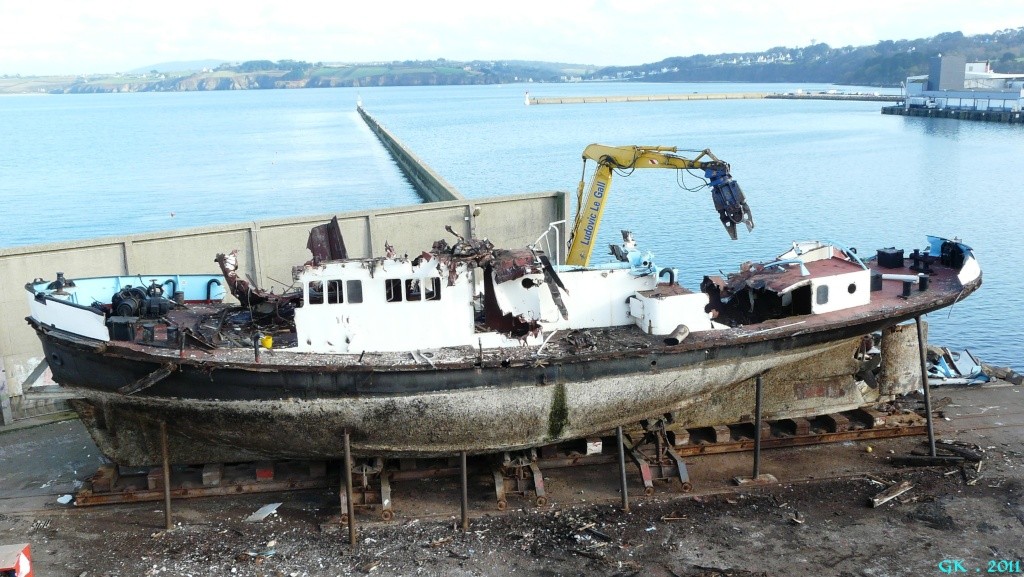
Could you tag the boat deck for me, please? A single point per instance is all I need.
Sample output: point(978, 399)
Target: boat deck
point(232, 332)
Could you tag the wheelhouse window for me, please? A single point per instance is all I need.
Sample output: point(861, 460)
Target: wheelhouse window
point(393, 290)
point(315, 289)
point(413, 290)
point(334, 294)
point(355, 291)
point(432, 288)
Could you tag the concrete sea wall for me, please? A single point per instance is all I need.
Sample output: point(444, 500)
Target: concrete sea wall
point(979, 115)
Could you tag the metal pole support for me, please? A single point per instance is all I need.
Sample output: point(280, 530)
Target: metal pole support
point(348, 491)
point(927, 389)
point(758, 397)
point(622, 469)
point(166, 454)
point(465, 493)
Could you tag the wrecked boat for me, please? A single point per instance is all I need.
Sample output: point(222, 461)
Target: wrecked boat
point(465, 347)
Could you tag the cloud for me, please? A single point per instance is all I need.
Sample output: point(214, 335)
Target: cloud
point(115, 36)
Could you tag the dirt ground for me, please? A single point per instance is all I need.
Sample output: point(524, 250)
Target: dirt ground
point(816, 521)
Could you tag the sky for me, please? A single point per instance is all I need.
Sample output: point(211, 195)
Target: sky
point(43, 37)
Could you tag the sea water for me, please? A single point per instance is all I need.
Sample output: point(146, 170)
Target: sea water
point(82, 166)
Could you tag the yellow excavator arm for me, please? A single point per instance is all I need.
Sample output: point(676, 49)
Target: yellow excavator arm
point(726, 193)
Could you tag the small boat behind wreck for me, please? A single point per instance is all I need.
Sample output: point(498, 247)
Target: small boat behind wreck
point(464, 347)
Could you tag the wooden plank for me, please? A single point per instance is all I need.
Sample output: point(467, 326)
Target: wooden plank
point(891, 493)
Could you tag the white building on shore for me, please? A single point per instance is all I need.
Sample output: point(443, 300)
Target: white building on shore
point(955, 84)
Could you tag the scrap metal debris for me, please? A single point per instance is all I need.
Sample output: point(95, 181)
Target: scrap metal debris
point(580, 341)
point(260, 302)
point(263, 512)
point(326, 242)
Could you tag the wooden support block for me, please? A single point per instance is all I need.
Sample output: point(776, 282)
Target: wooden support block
point(155, 479)
point(682, 437)
point(317, 469)
point(875, 419)
point(837, 423)
point(722, 433)
point(105, 479)
point(550, 451)
point(801, 426)
point(213, 474)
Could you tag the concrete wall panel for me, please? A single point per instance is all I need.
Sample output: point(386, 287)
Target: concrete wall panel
point(519, 224)
point(183, 252)
point(416, 231)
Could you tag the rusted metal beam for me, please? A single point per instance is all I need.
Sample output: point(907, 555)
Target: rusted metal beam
point(140, 495)
point(778, 443)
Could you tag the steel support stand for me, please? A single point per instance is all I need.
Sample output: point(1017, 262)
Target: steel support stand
point(167, 475)
point(348, 491)
point(927, 389)
point(519, 474)
point(680, 469)
point(465, 494)
point(644, 466)
point(386, 512)
point(758, 390)
point(622, 468)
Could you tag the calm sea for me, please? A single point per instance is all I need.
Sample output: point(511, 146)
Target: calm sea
point(82, 166)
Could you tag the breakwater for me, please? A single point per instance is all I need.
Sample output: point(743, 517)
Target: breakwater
point(978, 115)
point(431, 186)
point(711, 96)
point(645, 98)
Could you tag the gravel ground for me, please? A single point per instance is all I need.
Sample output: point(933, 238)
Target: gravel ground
point(818, 521)
point(815, 528)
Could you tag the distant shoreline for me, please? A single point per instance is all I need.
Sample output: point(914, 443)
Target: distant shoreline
point(51, 85)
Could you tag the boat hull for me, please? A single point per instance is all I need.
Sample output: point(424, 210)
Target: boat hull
point(230, 404)
point(438, 413)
